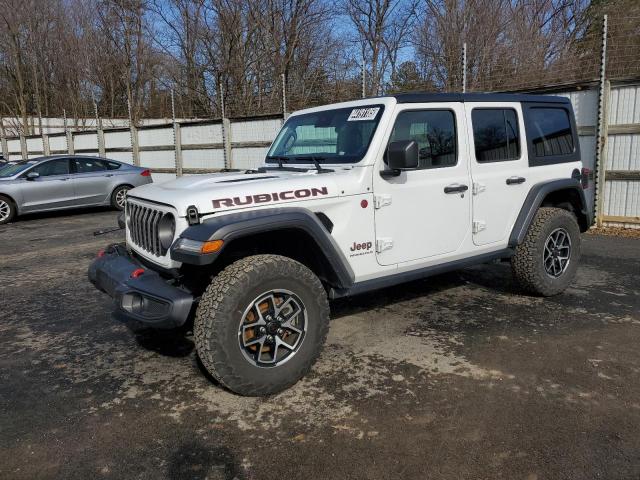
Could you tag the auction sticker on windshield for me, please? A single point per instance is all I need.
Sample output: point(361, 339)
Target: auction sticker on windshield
point(363, 114)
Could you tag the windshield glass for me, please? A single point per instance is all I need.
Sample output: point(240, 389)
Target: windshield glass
point(332, 136)
point(14, 169)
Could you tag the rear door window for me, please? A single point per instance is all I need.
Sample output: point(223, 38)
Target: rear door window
point(496, 135)
point(112, 165)
point(89, 165)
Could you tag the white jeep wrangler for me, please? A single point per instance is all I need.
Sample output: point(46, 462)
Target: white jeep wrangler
point(352, 197)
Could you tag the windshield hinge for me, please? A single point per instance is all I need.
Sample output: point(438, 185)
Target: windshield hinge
point(383, 244)
point(380, 201)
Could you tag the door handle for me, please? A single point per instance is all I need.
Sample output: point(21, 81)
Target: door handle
point(109, 175)
point(515, 180)
point(63, 179)
point(455, 188)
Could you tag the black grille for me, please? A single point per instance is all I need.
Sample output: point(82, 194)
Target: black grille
point(143, 227)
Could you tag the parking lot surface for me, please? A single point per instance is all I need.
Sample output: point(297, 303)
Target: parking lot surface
point(454, 377)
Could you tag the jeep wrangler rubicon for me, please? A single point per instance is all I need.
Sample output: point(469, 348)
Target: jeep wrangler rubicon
point(352, 197)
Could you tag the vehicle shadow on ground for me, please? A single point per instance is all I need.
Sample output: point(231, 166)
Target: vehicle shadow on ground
point(496, 277)
point(174, 343)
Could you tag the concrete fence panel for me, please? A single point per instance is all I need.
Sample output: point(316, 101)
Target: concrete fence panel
point(58, 144)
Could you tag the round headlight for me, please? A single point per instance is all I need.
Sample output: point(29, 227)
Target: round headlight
point(166, 230)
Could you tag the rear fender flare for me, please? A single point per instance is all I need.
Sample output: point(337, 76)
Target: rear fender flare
point(534, 200)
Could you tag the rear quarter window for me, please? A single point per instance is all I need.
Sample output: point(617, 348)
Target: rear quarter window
point(551, 134)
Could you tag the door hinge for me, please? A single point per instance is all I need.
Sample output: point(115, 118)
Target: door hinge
point(478, 226)
point(380, 201)
point(478, 188)
point(383, 244)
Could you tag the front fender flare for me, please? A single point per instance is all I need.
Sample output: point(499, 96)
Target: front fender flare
point(238, 225)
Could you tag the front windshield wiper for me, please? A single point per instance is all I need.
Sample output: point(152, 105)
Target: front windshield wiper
point(278, 158)
point(314, 159)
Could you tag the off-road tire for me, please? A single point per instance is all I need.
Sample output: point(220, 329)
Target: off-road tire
point(6, 203)
point(220, 312)
point(114, 196)
point(527, 263)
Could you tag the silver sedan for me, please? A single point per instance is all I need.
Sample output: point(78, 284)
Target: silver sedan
point(66, 181)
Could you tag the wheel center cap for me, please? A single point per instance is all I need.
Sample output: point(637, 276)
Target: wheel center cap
point(272, 328)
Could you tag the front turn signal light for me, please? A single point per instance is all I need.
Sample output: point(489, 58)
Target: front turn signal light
point(194, 246)
point(211, 246)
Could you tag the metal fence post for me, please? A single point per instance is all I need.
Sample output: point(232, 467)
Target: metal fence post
point(135, 149)
point(23, 146)
point(284, 96)
point(46, 150)
point(364, 78)
point(4, 147)
point(601, 134)
point(69, 135)
point(99, 131)
point(177, 138)
point(464, 67)
point(226, 133)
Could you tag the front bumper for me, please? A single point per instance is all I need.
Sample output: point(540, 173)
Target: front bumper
point(149, 298)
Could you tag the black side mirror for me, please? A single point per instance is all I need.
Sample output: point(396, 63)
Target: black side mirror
point(402, 155)
point(32, 175)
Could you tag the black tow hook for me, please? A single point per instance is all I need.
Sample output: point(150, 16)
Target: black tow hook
point(120, 226)
point(108, 230)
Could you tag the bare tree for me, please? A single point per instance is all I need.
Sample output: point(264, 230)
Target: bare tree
point(383, 28)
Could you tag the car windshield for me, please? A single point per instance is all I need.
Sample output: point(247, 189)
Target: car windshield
point(15, 168)
point(341, 135)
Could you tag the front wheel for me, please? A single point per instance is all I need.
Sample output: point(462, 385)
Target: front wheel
point(546, 261)
point(261, 324)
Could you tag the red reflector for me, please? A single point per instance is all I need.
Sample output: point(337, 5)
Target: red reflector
point(364, 204)
point(101, 254)
point(146, 173)
point(137, 272)
point(584, 179)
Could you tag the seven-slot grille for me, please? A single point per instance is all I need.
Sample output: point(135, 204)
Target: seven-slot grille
point(143, 227)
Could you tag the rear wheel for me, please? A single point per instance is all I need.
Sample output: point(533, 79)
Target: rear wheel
point(546, 262)
point(7, 210)
point(119, 197)
point(261, 324)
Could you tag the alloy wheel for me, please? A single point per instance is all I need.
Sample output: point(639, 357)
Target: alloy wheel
point(557, 252)
point(272, 328)
point(121, 197)
point(5, 210)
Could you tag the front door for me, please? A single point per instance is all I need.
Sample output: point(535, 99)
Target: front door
point(53, 188)
point(426, 212)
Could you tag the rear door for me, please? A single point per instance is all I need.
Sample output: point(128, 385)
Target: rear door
point(499, 168)
point(426, 212)
point(92, 180)
point(52, 189)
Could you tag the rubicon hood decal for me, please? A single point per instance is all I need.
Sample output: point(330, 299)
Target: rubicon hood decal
point(269, 197)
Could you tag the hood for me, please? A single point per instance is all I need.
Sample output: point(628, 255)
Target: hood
point(232, 191)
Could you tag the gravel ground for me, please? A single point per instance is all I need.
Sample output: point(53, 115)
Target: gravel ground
point(458, 376)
